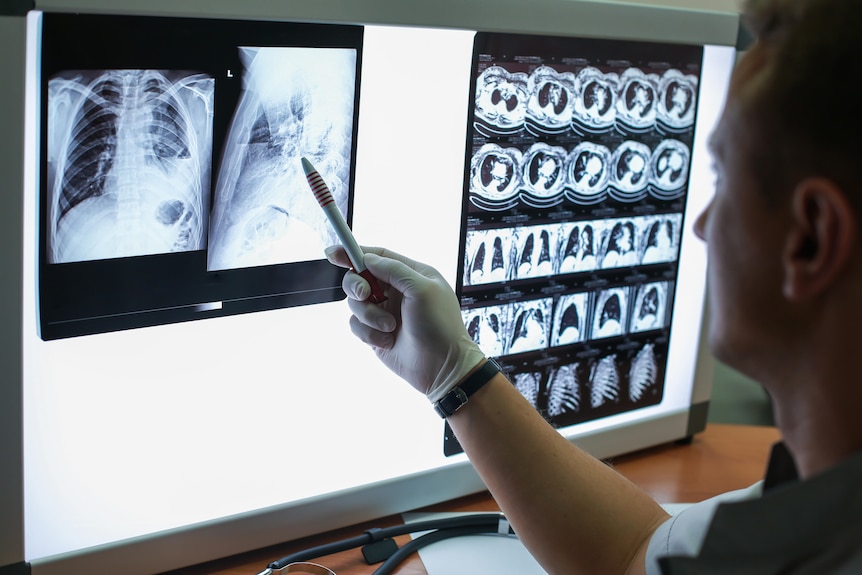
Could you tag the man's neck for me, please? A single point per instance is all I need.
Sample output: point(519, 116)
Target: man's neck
point(820, 428)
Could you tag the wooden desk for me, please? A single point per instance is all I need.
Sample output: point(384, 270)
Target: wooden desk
point(722, 458)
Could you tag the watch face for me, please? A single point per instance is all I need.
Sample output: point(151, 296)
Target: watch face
point(451, 402)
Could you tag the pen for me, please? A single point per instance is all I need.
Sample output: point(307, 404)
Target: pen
point(354, 252)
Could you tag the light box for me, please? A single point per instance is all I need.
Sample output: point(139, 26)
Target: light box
point(182, 380)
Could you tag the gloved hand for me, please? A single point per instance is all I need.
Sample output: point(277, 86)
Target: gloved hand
point(418, 332)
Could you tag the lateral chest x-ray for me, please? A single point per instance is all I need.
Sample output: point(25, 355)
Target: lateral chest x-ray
point(297, 102)
point(574, 194)
point(172, 188)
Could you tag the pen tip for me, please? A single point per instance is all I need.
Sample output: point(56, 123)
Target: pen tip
point(306, 166)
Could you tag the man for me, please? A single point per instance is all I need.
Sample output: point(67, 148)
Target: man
point(785, 281)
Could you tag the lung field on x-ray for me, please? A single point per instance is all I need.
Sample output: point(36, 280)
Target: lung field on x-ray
point(129, 163)
point(295, 102)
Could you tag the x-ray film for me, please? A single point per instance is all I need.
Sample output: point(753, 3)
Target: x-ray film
point(171, 186)
point(129, 162)
point(295, 102)
point(578, 156)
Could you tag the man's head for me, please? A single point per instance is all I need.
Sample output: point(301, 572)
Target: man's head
point(798, 84)
point(782, 225)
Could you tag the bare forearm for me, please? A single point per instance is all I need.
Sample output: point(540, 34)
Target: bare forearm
point(574, 513)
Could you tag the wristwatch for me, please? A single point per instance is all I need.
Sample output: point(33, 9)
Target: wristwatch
point(458, 396)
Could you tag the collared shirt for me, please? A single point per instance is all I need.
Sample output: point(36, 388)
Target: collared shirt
point(779, 525)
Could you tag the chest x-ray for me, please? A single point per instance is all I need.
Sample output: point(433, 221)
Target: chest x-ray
point(129, 162)
point(296, 102)
point(171, 187)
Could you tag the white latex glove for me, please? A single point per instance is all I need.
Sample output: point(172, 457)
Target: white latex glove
point(418, 332)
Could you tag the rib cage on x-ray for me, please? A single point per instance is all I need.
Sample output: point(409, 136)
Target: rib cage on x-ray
point(129, 155)
point(564, 393)
point(642, 372)
point(528, 385)
point(604, 381)
point(296, 102)
point(569, 387)
point(165, 144)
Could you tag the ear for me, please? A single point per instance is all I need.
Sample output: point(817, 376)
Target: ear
point(821, 239)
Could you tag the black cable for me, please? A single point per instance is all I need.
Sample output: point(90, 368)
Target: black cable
point(399, 556)
point(486, 520)
point(320, 551)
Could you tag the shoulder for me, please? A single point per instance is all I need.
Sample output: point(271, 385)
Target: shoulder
point(683, 533)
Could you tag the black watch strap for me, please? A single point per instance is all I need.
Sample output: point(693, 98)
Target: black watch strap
point(458, 396)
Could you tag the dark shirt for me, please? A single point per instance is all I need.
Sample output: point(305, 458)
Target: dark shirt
point(795, 528)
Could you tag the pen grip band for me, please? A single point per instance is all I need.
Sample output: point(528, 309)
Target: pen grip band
point(376, 291)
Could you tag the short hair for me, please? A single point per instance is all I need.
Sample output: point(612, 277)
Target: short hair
point(805, 108)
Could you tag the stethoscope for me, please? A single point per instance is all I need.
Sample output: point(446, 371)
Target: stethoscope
point(378, 545)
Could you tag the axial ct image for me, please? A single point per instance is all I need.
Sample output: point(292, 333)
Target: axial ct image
point(129, 163)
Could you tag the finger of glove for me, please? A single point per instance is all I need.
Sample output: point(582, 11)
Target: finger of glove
point(405, 275)
point(375, 316)
point(355, 286)
point(337, 256)
point(371, 336)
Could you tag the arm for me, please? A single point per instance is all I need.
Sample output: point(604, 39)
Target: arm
point(574, 513)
